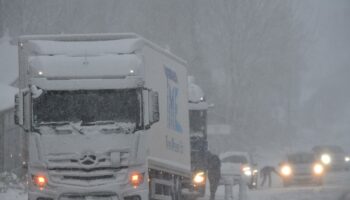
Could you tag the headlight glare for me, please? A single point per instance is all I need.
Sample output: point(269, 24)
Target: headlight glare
point(199, 178)
point(326, 159)
point(286, 170)
point(318, 169)
point(40, 180)
point(246, 170)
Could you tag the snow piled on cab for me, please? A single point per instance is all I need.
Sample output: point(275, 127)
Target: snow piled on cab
point(86, 48)
point(96, 66)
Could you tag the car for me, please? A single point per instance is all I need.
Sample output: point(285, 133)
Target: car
point(301, 168)
point(333, 157)
point(240, 167)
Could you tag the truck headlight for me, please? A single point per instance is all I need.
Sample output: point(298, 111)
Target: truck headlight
point(286, 170)
point(40, 180)
point(199, 178)
point(246, 171)
point(135, 179)
point(326, 159)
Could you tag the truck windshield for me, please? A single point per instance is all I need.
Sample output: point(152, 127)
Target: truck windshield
point(87, 106)
point(198, 126)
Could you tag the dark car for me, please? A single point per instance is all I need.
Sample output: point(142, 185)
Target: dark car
point(301, 168)
point(332, 157)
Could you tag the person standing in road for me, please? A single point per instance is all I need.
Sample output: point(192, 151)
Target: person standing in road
point(265, 173)
point(214, 173)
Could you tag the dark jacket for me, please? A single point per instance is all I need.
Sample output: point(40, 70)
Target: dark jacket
point(267, 170)
point(214, 165)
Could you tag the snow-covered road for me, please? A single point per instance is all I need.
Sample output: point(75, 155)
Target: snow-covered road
point(336, 184)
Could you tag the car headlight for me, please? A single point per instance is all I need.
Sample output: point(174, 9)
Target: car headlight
point(318, 169)
point(199, 178)
point(326, 159)
point(286, 170)
point(246, 171)
point(347, 159)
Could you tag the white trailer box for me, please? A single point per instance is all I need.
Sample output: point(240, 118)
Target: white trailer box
point(107, 117)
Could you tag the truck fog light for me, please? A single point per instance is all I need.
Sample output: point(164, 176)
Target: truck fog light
point(199, 178)
point(136, 178)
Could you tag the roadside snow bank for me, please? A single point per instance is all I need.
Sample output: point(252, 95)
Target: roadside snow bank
point(11, 187)
point(7, 97)
point(8, 61)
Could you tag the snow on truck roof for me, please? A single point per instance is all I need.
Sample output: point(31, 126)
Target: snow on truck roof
point(107, 43)
point(74, 59)
point(96, 66)
point(85, 48)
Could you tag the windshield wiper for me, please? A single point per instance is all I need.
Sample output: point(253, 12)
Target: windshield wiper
point(97, 123)
point(76, 128)
point(53, 123)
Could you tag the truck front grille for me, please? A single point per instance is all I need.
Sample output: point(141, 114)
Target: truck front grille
point(68, 169)
point(102, 196)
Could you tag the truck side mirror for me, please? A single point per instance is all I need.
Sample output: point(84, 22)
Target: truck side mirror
point(20, 112)
point(154, 107)
point(19, 108)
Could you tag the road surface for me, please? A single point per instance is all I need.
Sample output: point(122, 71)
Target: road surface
point(336, 185)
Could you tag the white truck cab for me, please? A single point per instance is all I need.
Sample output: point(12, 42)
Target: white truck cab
point(106, 116)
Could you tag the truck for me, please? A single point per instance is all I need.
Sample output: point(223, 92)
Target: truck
point(106, 117)
point(198, 135)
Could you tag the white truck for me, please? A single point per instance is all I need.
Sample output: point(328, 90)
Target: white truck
point(106, 117)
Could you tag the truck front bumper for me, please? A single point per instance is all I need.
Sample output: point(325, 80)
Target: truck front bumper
point(103, 192)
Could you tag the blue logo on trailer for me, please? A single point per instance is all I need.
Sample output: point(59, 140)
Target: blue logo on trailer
point(173, 91)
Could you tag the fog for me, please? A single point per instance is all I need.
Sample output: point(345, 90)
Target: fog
point(276, 71)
